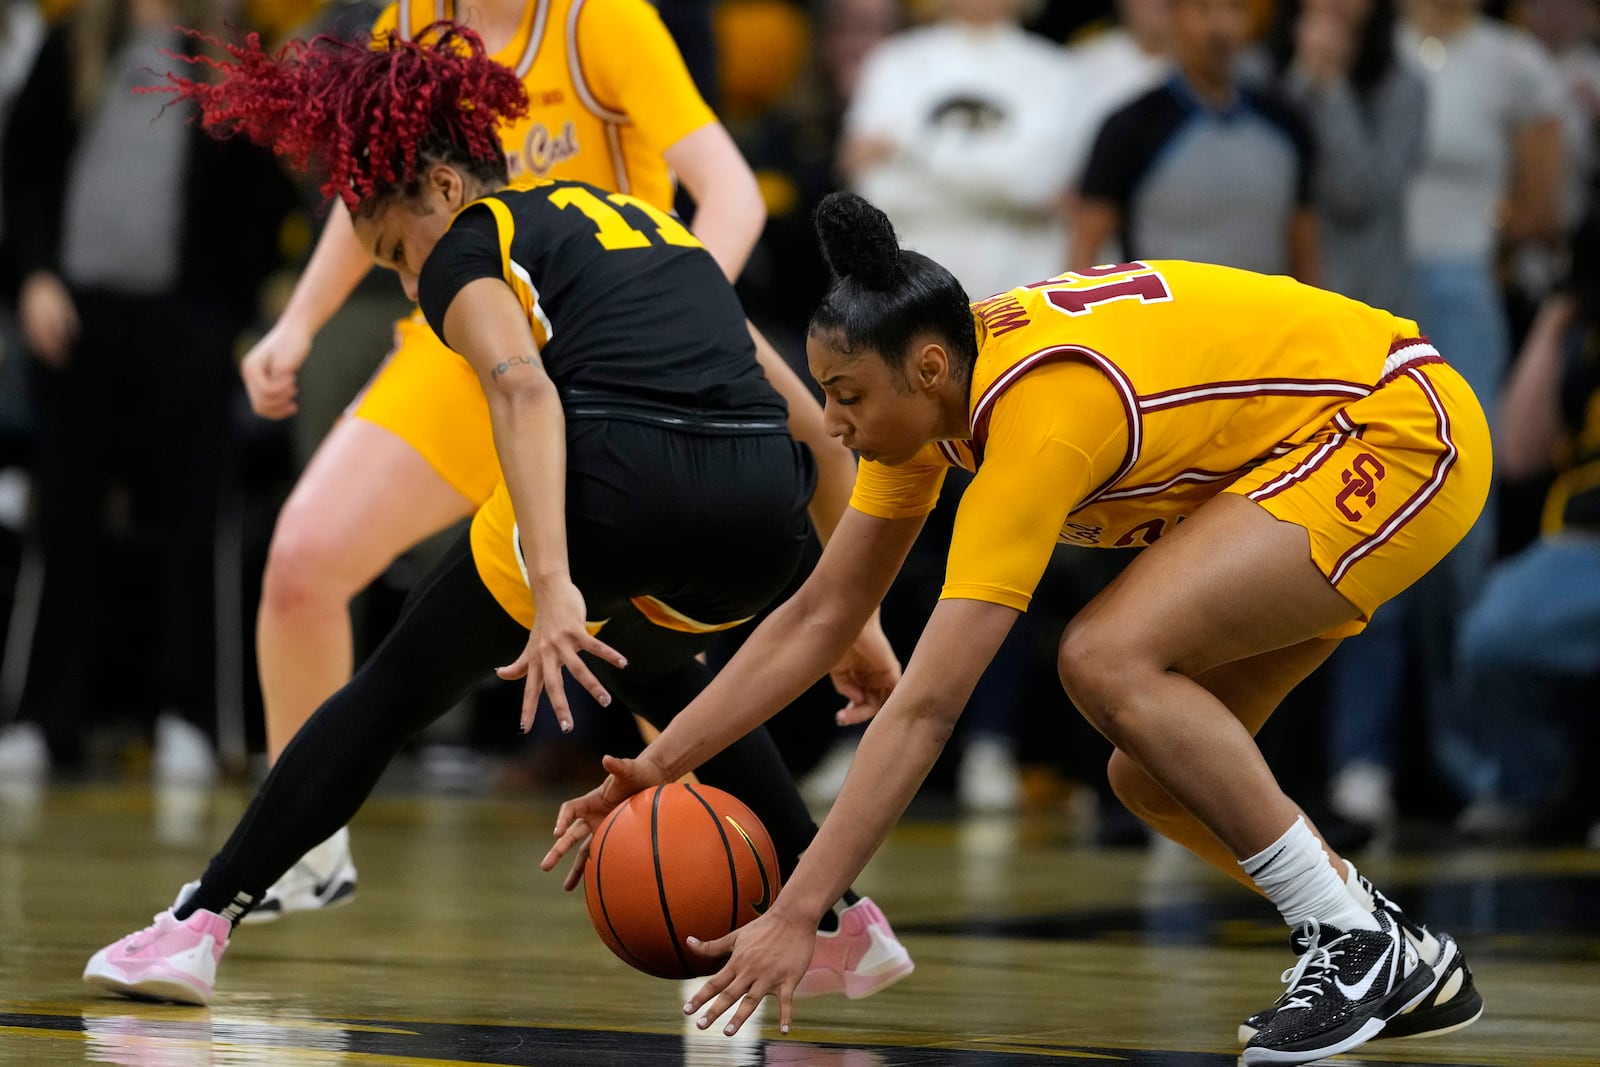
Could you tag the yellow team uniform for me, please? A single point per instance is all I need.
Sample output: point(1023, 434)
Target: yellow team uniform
point(1109, 404)
point(608, 93)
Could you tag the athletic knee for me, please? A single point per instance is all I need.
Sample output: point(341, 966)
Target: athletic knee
point(304, 566)
point(1100, 673)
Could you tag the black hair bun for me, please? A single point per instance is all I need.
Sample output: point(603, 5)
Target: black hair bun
point(858, 241)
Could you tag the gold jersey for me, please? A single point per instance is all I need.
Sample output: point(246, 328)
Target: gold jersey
point(608, 91)
point(1107, 405)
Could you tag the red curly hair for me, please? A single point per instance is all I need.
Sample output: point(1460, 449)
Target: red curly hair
point(372, 117)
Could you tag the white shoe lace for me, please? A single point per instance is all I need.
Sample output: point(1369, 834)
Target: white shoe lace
point(1311, 976)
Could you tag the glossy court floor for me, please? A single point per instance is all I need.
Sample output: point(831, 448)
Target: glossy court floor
point(1029, 950)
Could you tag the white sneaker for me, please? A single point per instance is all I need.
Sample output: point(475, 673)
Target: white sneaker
point(988, 780)
point(183, 754)
point(325, 877)
point(1363, 792)
point(23, 753)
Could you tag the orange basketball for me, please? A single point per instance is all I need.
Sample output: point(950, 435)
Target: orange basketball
point(675, 861)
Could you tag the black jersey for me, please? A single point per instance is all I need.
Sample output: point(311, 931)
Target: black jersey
point(633, 317)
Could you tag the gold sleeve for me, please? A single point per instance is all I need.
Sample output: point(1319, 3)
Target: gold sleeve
point(633, 66)
point(902, 492)
point(1054, 436)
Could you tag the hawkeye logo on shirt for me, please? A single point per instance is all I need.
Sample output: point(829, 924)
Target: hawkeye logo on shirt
point(542, 150)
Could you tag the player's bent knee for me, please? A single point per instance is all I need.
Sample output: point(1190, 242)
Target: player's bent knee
point(303, 567)
point(1095, 672)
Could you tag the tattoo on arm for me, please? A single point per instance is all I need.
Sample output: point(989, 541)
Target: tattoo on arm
point(505, 366)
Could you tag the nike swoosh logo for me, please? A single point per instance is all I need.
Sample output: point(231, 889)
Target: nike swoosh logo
point(765, 902)
point(1359, 990)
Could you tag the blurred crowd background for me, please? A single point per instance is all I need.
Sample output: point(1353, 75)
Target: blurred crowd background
point(1433, 157)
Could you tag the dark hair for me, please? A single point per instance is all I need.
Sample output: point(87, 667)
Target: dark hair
point(882, 295)
point(1374, 49)
point(374, 117)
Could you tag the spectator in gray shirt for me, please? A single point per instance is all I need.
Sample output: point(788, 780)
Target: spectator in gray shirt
point(1335, 59)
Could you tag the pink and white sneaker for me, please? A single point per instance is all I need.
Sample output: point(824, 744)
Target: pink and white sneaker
point(169, 960)
point(859, 958)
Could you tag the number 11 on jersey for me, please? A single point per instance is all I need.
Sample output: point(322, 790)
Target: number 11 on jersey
point(1079, 292)
point(612, 228)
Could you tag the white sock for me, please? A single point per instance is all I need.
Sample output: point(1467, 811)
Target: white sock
point(1296, 874)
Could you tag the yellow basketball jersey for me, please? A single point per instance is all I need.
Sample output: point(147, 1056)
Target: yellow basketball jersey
point(1217, 370)
point(607, 90)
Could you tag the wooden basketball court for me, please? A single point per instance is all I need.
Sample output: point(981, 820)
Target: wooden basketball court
point(458, 950)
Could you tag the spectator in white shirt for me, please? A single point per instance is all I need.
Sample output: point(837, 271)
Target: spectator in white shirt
point(964, 133)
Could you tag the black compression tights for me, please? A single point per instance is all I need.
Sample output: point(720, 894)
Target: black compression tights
point(450, 634)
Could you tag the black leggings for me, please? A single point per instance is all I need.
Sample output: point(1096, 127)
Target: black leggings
point(450, 635)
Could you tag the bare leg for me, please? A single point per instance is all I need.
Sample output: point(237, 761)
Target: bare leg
point(1230, 584)
point(365, 497)
point(1252, 689)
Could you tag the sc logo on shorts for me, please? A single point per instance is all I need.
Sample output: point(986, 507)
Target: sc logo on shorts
point(1361, 483)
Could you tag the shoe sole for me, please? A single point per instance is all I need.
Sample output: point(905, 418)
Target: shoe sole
point(158, 989)
point(857, 986)
point(1253, 1057)
point(1458, 1013)
point(1388, 1032)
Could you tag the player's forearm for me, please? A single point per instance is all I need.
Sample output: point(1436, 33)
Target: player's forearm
point(729, 211)
point(336, 267)
point(794, 647)
point(895, 756)
point(797, 644)
point(899, 749)
point(729, 225)
point(530, 438)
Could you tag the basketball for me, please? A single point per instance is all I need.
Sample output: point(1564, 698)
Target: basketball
point(675, 861)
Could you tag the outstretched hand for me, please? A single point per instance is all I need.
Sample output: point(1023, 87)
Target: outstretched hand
point(580, 816)
point(558, 638)
point(866, 675)
point(769, 957)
